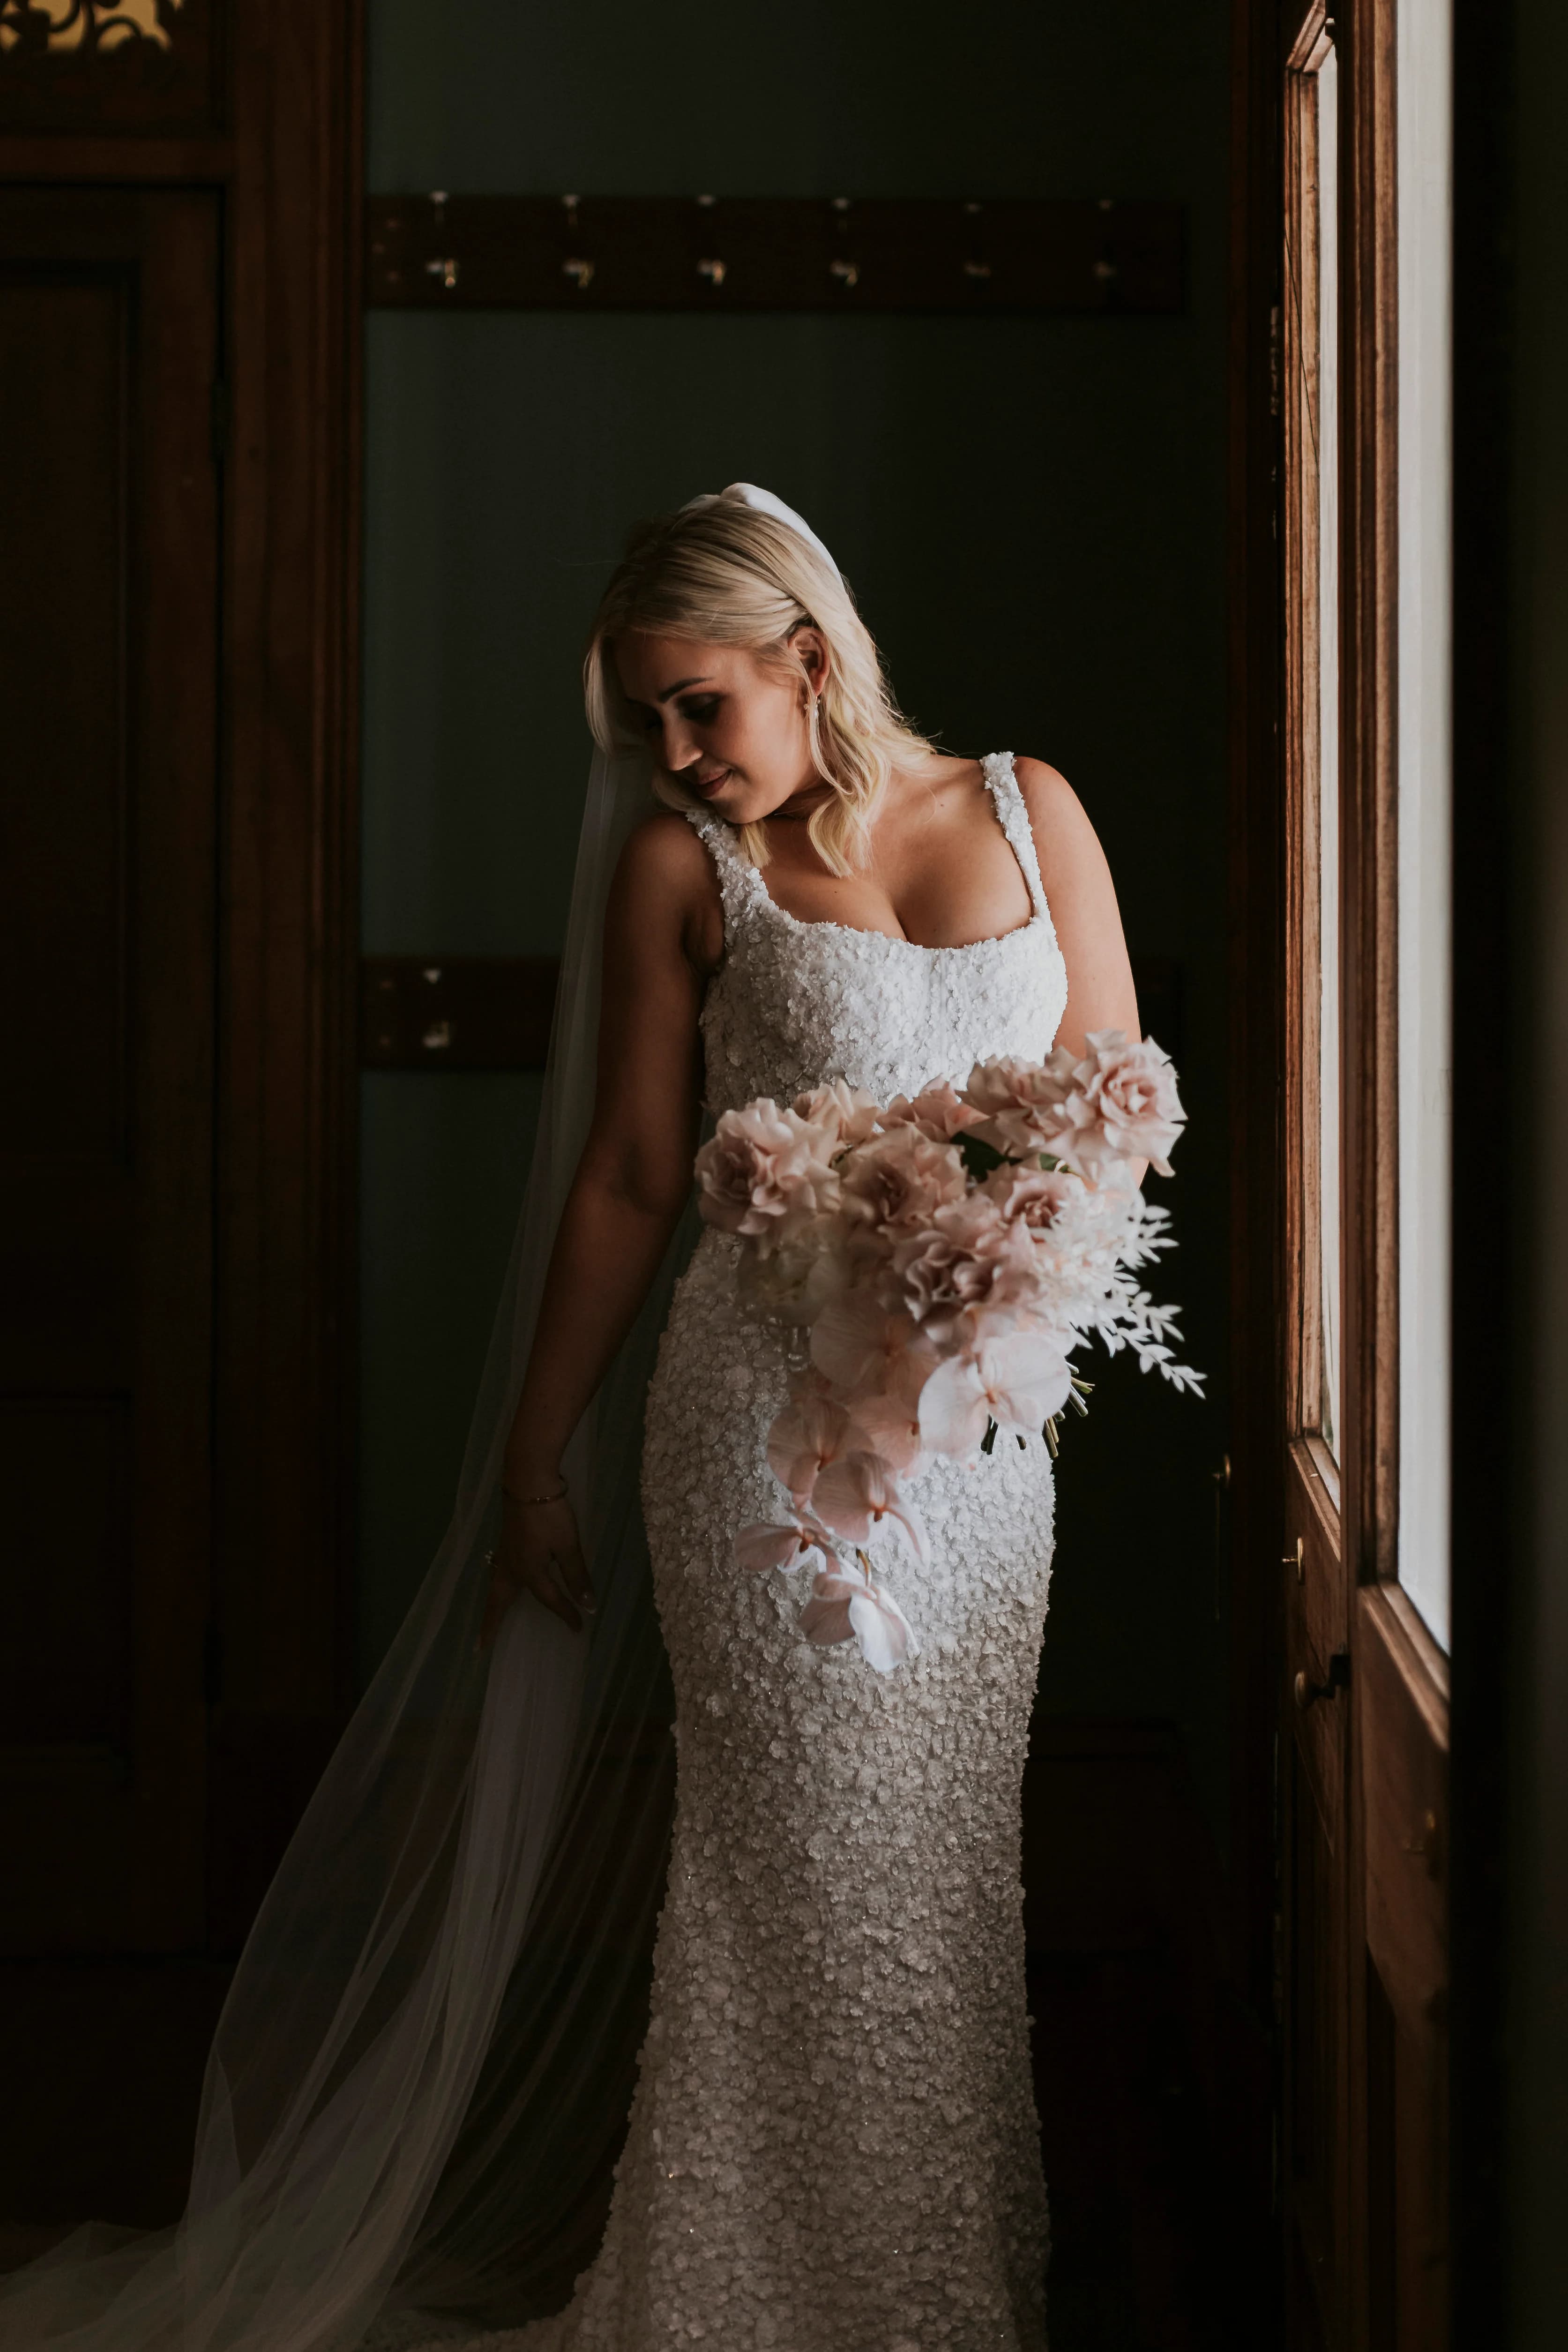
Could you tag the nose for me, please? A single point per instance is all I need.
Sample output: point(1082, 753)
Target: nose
point(678, 748)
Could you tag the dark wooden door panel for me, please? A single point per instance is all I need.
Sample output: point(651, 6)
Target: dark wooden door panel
point(1401, 1727)
point(108, 519)
point(1314, 1789)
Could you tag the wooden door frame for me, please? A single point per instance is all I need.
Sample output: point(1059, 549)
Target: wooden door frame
point(1383, 1630)
point(280, 140)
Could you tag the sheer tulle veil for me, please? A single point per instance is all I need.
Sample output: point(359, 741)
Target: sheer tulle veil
point(426, 2058)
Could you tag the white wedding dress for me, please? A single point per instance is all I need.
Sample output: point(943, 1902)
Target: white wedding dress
point(834, 2145)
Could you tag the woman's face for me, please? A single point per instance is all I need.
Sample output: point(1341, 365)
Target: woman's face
point(731, 729)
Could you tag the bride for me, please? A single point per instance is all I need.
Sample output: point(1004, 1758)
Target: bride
point(428, 2055)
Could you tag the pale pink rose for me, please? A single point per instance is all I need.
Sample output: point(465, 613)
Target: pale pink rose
point(764, 1173)
point(939, 1111)
point(1125, 1104)
point(969, 1263)
point(854, 1495)
point(1019, 1104)
point(844, 1607)
point(857, 1341)
point(813, 1430)
point(902, 1179)
point(846, 1114)
point(1019, 1381)
point(1035, 1197)
point(765, 1545)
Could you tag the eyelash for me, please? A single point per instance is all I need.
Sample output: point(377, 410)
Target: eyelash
point(700, 713)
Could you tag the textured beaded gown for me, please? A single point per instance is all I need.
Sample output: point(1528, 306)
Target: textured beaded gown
point(834, 2145)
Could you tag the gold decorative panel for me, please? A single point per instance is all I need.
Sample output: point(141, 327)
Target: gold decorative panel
point(108, 66)
point(57, 24)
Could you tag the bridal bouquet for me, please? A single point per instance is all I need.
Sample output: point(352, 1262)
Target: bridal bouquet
point(942, 1259)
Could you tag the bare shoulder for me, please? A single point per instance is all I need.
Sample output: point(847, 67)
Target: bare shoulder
point(1049, 798)
point(664, 886)
point(662, 856)
point(664, 870)
point(1066, 843)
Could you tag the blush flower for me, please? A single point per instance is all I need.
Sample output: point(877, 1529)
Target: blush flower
point(888, 1421)
point(902, 1179)
point(1037, 1198)
point(845, 1115)
point(970, 1268)
point(939, 1111)
point(1123, 1103)
point(766, 1545)
point(1020, 1103)
point(1019, 1381)
point(812, 1431)
point(847, 1607)
point(854, 1495)
point(857, 1341)
point(764, 1173)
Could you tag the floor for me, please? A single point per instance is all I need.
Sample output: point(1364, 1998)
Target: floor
point(1136, 2265)
point(1146, 2253)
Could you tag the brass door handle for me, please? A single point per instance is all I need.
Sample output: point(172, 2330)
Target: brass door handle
point(1338, 1679)
point(1294, 1559)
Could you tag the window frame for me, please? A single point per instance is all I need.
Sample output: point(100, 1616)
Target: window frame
point(1299, 512)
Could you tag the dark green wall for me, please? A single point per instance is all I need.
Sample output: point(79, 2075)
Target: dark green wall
point(1031, 514)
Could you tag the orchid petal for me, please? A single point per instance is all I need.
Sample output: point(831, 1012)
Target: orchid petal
point(826, 1618)
point(881, 1628)
point(765, 1545)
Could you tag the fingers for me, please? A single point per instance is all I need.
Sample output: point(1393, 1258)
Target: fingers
point(539, 1553)
point(574, 1572)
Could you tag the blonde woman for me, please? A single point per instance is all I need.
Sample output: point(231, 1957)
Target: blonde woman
point(424, 2070)
point(834, 2146)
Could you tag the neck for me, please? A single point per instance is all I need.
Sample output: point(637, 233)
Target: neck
point(805, 802)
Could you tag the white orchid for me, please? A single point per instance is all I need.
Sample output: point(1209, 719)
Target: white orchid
point(848, 1604)
point(1019, 1381)
point(854, 1495)
point(767, 1544)
point(813, 1430)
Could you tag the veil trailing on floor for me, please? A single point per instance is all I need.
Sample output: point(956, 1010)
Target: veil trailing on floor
point(423, 2069)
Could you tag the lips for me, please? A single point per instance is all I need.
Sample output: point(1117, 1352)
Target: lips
point(706, 786)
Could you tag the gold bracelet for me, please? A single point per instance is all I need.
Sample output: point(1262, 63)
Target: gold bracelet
point(558, 1495)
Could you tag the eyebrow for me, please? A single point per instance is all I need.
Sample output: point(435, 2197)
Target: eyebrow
point(679, 687)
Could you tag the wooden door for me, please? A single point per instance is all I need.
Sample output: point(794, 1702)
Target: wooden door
point(1363, 1741)
point(109, 674)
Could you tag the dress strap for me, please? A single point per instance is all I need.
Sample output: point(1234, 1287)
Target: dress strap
point(1012, 815)
point(740, 887)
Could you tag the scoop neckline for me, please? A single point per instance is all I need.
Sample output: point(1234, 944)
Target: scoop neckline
point(893, 939)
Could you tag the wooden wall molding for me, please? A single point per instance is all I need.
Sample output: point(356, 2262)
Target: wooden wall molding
point(718, 255)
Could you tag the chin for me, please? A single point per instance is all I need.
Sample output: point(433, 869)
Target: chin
point(737, 807)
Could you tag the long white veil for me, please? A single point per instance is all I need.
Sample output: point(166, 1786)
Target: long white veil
point(423, 2070)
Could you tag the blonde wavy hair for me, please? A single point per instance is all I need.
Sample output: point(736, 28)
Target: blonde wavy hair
point(725, 572)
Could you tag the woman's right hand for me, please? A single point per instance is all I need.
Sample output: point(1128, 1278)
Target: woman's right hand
point(540, 1552)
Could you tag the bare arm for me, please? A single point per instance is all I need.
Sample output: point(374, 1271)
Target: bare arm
point(662, 932)
point(1083, 900)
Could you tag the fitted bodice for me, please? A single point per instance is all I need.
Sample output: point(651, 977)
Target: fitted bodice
point(794, 1004)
